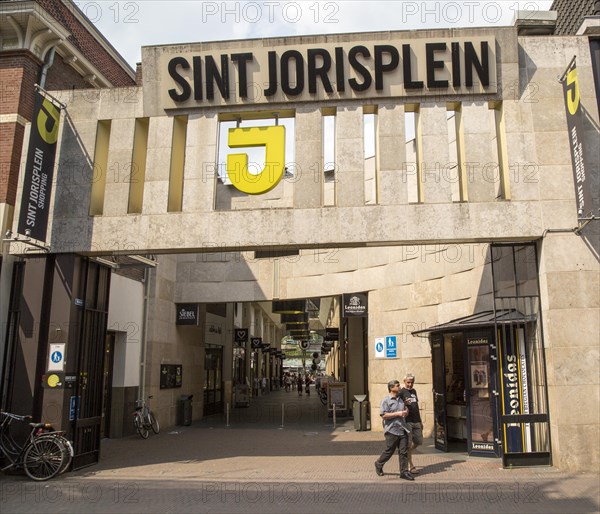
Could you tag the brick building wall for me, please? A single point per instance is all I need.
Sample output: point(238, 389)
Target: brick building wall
point(87, 43)
point(63, 76)
point(19, 71)
point(11, 135)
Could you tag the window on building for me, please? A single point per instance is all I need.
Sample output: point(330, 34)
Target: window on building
point(329, 168)
point(412, 168)
point(370, 153)
point(455, 169)
point(256, 155)
point(175, 199)
point(137, 176)
point(100, 170)
point(500, 173)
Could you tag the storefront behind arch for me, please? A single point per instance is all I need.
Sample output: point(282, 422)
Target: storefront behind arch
point(489, 375)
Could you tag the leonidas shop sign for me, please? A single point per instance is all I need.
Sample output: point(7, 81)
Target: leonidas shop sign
point(390, 68)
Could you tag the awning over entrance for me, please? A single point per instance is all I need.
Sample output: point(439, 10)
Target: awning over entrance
point(480, 319)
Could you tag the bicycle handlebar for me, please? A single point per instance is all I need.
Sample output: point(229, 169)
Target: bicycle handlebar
point(14, 416)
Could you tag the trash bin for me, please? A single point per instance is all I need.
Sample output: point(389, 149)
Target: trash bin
point(359, 412)
point(184, 410)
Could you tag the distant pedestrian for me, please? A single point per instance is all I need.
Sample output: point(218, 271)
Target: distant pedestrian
point(307, 386)
point(299, 385)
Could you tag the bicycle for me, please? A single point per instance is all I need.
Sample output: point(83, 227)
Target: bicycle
point(144, 419)
point(322, 395)
point(44, 454)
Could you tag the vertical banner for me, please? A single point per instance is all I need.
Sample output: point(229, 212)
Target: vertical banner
point(583, 195)
point(512, 387)
point(39, 171)
point(524, 388)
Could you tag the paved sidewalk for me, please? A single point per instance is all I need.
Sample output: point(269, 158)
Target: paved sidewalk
point(250, 463)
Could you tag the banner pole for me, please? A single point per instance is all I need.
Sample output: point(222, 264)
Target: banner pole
point(45, 93)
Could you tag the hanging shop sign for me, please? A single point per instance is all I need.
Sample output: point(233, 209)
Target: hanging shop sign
point(583, 194)
point(240, 336)
point(256, 342)
point(332, 334)
point(398, 67)
point(39, 170)
point(187, 314)
point(356, 305)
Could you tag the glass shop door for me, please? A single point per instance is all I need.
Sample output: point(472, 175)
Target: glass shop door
point(439, 393)
point(481, 395)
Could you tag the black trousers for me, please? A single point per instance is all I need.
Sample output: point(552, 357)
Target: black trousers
point(392, 442)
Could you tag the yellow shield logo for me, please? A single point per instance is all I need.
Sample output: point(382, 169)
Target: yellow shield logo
point(273, 139)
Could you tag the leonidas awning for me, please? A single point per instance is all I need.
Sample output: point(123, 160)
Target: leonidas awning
point(480, 319)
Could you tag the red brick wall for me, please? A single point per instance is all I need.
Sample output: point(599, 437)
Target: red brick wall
point(11, 135)
point(87, 44)
point(19, 71)
point(62, 76)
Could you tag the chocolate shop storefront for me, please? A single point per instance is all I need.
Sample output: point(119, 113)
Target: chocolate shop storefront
point(489, 383)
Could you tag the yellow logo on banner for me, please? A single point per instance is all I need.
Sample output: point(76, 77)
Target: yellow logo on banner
point(573, 91)
point(48, 113)
point(273, 139)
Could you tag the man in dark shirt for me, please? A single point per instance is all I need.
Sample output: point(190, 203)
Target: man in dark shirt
point(413, 420)
point(393, 413)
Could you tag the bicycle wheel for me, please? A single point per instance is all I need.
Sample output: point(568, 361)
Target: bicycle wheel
point(153, 422)
point(66, 446)
point(139, 425)
point(43, 459)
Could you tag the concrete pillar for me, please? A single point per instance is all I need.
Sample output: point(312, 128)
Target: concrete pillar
point(481, 157)
point(158, 164)
point(391, 154)
point(349, 157)
point(118, 172)
point(308, 180)
point(435, 158)
point(200, 157)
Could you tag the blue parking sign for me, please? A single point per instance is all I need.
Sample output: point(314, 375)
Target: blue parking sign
point(390, 347)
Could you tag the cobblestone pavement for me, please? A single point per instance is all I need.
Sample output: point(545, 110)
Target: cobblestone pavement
point(258, 460)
